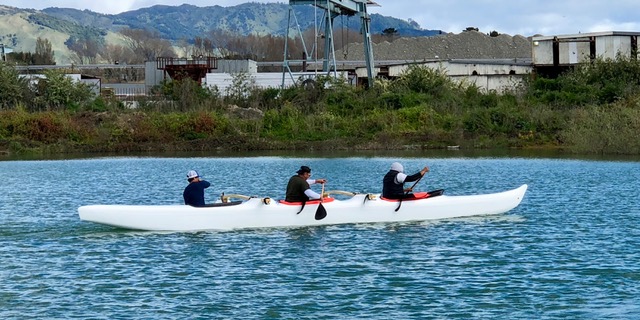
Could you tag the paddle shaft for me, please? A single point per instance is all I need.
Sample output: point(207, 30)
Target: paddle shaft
point(415, 183)
point(321, 212)
point(410, 189)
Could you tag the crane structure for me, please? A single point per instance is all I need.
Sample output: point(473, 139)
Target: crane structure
point(332, 9)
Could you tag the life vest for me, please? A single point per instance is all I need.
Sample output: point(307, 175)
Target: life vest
point(389, 185)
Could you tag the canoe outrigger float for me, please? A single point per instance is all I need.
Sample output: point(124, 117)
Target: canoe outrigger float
point(255, 212)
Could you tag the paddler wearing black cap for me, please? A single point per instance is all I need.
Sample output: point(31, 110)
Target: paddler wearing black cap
point(298, 189)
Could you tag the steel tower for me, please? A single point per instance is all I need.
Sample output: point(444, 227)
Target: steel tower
point(332, 9)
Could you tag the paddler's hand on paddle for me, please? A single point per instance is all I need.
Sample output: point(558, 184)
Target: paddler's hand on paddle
point(322, 196)
point(424, 170)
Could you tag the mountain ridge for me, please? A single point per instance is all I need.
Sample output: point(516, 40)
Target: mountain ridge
point(19, 28)
point(246, 18)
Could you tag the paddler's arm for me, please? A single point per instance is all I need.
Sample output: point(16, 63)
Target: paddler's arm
point(416, 176)
point(312, 194)
point(314, 181)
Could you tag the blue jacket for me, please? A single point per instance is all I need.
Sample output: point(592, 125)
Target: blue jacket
point(194, 193)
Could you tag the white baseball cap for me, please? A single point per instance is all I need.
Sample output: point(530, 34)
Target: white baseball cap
point(192, 174)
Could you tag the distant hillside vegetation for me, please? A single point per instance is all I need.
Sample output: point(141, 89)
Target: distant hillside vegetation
point(188, 21)
point(19, 28)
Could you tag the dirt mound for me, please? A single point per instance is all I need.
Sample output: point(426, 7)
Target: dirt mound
point(465, 45)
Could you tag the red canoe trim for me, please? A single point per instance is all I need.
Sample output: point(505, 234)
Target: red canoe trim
point(418, 196)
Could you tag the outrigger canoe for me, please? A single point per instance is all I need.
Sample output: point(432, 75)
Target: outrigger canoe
point(256, 212)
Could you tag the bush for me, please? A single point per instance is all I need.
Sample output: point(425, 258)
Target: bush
point(603, 81)
point(13, 88)
point(187, 94)
point(424, 80)
point(57, 91)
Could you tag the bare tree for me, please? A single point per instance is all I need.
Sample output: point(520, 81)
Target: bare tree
point(220, 41)
point(117, 54)
point(147, 45)
point(203, 47)
point(85, 51)
point(186, 49)
point(225, 44)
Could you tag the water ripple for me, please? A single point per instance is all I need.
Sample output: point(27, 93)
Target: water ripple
point(569, 251)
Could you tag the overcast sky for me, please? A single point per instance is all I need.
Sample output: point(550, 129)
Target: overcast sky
point(524, 17)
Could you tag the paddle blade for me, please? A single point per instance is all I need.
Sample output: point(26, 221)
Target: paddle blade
point(435, 193)
point(321, 213)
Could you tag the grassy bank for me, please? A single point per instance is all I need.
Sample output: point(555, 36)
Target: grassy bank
point(593, 109)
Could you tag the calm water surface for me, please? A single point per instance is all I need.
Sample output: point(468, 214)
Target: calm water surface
point(570, 250)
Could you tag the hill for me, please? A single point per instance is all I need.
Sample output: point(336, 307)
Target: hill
point(465, 45)
point(188, 21)
point(19, 28)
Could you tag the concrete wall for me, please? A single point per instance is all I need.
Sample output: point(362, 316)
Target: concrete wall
point(609, 47)
point(497, 83)
point(152, 75)
point(496, 75)
point(236, 66)
point(575, 48)
point(261, 80)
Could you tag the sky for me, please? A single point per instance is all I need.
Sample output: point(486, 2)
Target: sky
point(523, 17)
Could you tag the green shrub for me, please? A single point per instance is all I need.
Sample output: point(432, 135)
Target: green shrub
point(13, 88)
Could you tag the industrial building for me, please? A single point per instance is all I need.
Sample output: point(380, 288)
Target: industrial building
point(554, 54)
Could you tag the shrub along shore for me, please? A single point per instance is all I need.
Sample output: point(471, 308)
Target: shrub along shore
point(594, 108)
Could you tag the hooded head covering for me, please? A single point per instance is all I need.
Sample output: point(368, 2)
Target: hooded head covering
point(396, 166)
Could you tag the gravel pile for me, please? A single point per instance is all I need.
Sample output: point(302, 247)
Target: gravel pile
point(465, 45)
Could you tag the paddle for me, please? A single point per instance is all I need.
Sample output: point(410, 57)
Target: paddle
point(406, 193)
point(321, 212)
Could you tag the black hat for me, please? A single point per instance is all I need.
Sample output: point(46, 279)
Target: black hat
point(304, 169)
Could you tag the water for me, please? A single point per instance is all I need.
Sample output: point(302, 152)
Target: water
point(570, 250)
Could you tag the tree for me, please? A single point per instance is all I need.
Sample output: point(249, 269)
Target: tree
point(147, 45)
point(494, 34)
point(203, 47)
point(85, 50)
point(221, 42)
point(389, 34)
point(185, 48)
point(57, 91)
point(13, 88)
point(44, 53)
point(390, 31)
point(117, 54)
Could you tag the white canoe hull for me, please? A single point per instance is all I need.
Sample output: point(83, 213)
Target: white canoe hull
point(254, 213)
